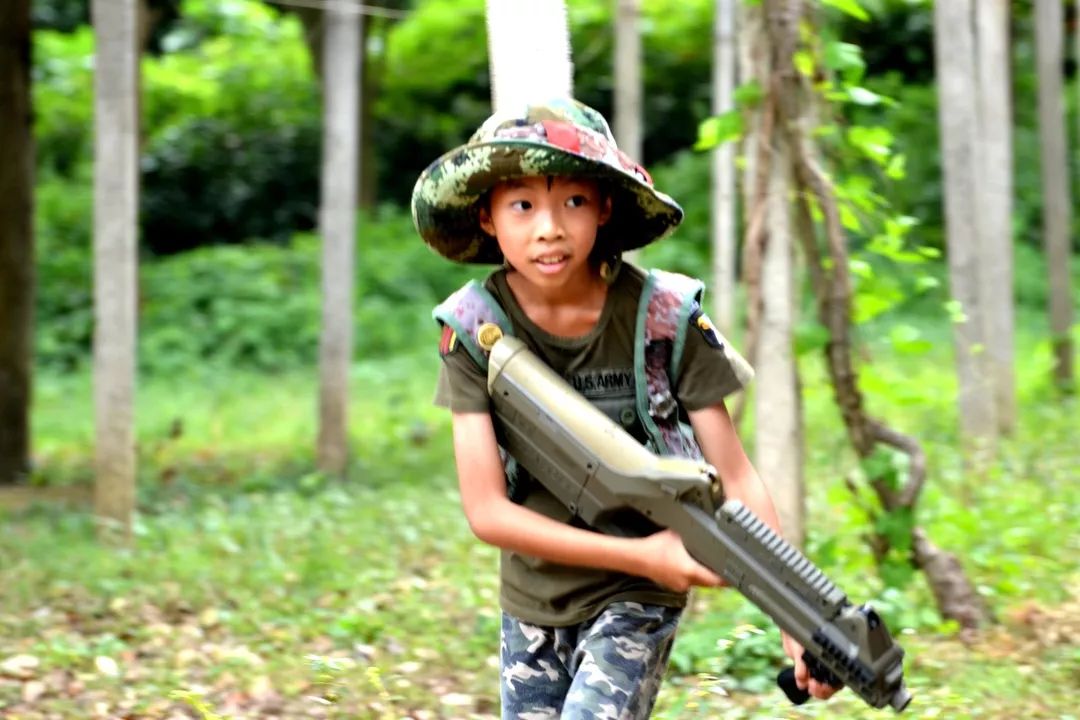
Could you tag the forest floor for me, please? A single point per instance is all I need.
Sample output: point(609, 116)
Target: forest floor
point(256, 588)
point(280, 605)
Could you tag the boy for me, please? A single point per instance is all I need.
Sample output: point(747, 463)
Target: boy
point(588, 619)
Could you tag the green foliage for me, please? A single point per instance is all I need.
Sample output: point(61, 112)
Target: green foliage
point(62, 88)
point(231, 142)
point(686, 178)
point(64, 292)
point(740, 644)
point(204, 180)
point(254, 307)
point(63, 15)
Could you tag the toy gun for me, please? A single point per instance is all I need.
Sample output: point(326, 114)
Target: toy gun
point(599, 471)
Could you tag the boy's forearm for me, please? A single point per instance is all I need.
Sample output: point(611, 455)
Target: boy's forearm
point(722, 448)
point(748, 488)
point(512, 527)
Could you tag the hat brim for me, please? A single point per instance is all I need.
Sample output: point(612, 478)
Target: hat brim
point(445, 195)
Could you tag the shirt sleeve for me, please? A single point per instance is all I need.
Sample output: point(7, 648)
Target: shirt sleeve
point(462, 385)
point(710, 369)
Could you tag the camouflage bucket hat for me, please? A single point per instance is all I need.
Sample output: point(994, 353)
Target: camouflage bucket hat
point(561, 137)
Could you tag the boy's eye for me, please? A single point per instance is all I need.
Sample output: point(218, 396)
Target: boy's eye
point(575, 201)
point(520, 205)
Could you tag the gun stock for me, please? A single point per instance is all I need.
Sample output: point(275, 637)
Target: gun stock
point(599, 471)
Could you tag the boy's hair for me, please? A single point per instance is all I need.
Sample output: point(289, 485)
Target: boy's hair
point(561, 137)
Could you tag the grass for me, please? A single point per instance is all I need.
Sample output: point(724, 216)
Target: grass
point(259, 588)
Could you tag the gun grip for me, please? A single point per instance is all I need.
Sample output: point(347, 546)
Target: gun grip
point(818, 671)
point(786, 681)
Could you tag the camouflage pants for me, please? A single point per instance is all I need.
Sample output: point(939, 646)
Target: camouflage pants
point(606, 668)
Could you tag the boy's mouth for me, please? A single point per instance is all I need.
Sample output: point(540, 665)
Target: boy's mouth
point(552, 262)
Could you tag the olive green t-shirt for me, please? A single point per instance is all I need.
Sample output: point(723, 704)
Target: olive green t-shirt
point(600, 366)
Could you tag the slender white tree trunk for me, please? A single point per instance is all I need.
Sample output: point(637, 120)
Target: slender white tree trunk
point(994, 203)
point(723, 169)
point(769, 271)
point(628, 111)
point(777, 411)
point(337, 223)
point(1053, 147)
point(954, 48)
point(628, 78)
point(116, 202)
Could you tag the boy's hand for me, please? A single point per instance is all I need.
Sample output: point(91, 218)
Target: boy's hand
point(802, 675)
point(665, 561)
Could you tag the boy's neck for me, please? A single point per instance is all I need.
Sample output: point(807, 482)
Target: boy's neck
point(568, 310)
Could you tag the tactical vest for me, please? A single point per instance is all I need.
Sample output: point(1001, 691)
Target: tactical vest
point(663, 315)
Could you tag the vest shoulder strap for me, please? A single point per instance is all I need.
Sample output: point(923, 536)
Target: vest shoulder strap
point(667, 300)
point(466, 311)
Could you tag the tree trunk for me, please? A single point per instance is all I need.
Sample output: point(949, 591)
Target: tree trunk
point(796, 119)
point(16, 242)
point(754, 66)
point(723, 170)
point(369, 73)
point(1053, 154)
point(958, 114)
point(770, 278)
point(628, 120)
point(994, 204)
point(777, 411)
point(116, 202)
point(337, 222)
point(627, 128)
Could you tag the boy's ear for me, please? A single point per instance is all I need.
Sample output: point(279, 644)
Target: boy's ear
point(484, 216)
point(605, 210)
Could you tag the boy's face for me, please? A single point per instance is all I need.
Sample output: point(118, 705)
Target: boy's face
point(546, 226)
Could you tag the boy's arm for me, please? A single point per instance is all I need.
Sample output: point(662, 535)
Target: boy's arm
point(722, 448)
point(496, 520)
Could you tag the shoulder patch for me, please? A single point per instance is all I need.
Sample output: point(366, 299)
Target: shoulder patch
point(448, 342)
point(704, 325)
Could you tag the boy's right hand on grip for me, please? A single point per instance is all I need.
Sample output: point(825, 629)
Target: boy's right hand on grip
point(666, 562)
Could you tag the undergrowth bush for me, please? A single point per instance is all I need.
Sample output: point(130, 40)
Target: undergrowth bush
point(246, 307)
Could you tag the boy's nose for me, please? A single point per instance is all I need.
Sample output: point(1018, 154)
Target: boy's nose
point(548, 225)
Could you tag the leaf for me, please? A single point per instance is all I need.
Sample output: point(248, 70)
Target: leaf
point(849, 219)
point(107, 666)
point(20, 667)
point(810, 336)
point(719, 129)
point(862, 96)
point(874, 142)
point(955, 309)
point(804, 63)
point(896, 526)
point(844, 57)
point(457, 700)
point(849, 7)
point(897, 167)
point(927, 282)
point(860, 268)
point(748, 94)
point(869, 305)
point(908, 340)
